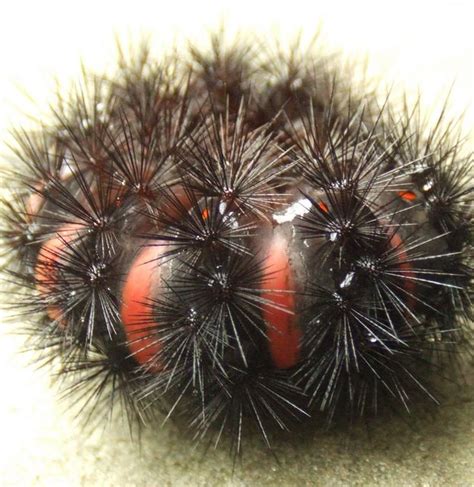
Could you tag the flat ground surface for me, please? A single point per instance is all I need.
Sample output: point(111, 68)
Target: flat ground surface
point(427, 46)
point(41, 444)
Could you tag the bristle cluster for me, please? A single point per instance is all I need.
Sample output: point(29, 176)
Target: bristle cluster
point(242, 240)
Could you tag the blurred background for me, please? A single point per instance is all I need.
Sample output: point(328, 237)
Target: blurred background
point(425, 47)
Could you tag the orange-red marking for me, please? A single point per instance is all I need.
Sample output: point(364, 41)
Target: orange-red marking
point(408, 196)
point(409, 284)
point(323, 206)
point(45, 271)
point(279, 312)
point(205, 214)
point(136, 312)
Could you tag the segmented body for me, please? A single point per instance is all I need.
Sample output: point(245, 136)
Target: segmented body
point(230, 240)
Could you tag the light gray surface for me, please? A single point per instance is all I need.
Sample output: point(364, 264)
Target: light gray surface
point(42, 445)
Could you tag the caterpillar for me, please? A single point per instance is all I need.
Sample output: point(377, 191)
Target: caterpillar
point(242, 241)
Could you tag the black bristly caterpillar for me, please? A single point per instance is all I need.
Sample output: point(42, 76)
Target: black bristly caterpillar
point(241, 238)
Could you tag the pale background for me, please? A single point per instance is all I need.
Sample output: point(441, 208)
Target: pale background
point(421, 45)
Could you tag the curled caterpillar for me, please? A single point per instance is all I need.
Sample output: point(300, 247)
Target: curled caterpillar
point(242, 241)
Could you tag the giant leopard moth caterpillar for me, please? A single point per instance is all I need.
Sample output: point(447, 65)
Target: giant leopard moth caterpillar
point(242, 241)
